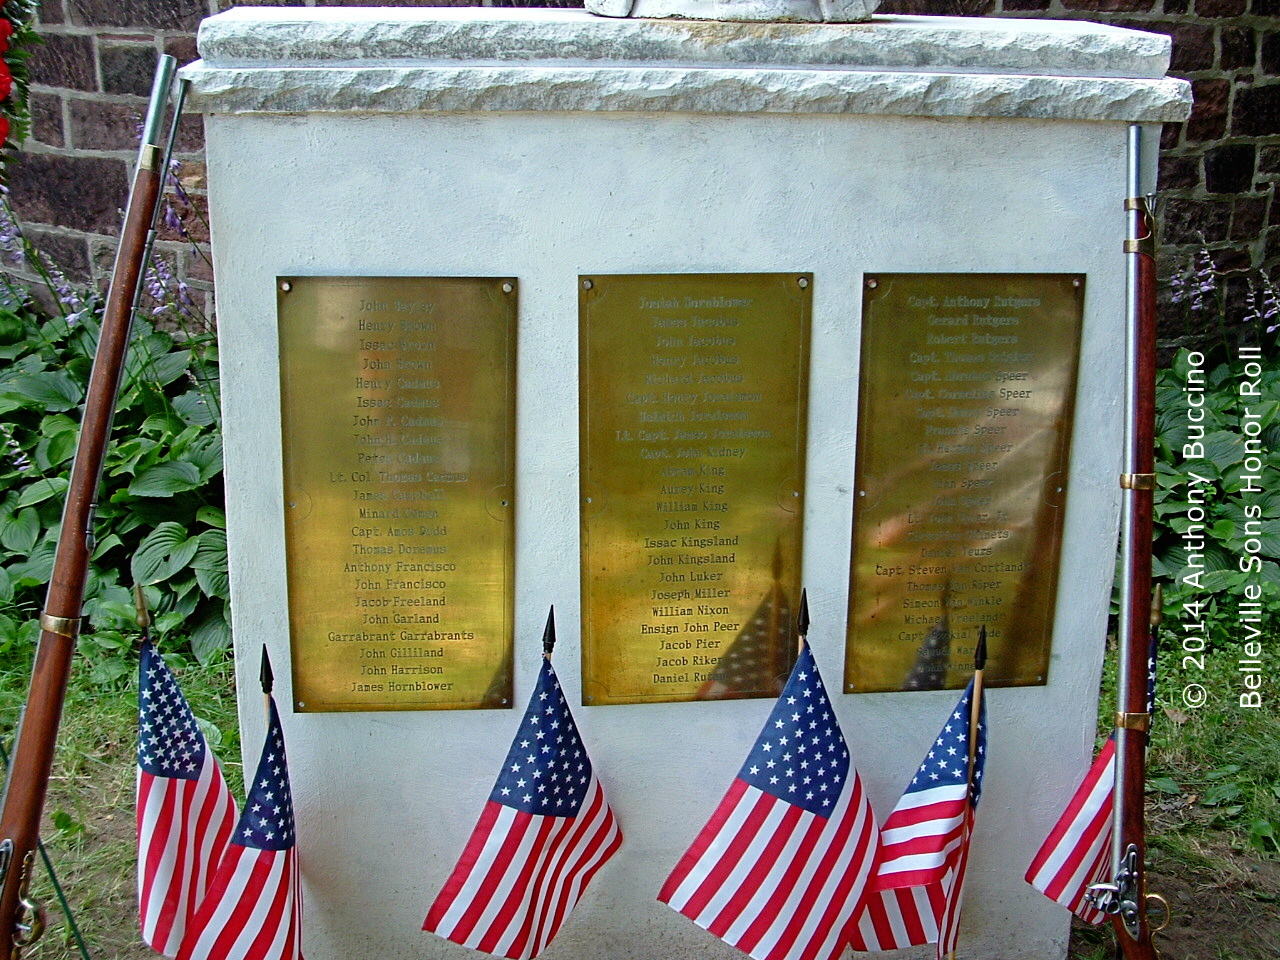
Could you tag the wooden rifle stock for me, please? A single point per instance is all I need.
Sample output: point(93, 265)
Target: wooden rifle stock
point(32, 758)
point(1125, 898)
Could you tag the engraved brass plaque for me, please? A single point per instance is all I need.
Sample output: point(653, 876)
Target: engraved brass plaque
point(964, 427)
point(693, 420)
point(398, 410)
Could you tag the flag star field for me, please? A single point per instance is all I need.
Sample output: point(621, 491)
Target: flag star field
point(801, 756)
point(547, 770)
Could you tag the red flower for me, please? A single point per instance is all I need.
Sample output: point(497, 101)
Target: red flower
point(6, 31)
point(4, 129)
point(6, 80)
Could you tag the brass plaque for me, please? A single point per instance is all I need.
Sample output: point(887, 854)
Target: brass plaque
point(964, 427)
point(398, 410)
point(693, 415)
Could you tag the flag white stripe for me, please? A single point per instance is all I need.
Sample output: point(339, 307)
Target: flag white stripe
point(525, 895)
point(731, 884)
point(702, 869)
point(504, 828)
point(918, 861)
point(1065, 849)
point(237, 891)
point(561, 897)
point(819, 859)
point(770, 885)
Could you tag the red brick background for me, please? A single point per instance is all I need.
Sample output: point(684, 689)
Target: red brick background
point(91, 77)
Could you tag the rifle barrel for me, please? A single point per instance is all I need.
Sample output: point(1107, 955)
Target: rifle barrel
point(1138, 483)
point(32, 760)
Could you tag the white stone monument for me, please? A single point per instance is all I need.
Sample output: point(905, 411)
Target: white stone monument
point(543, 145)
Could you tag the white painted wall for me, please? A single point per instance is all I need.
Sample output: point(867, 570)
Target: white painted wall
point(386, 800)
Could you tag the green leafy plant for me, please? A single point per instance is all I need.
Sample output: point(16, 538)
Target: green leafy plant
point(1217, 500)
point(159, 519)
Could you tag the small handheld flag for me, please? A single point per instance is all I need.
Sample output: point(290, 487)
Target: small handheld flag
point(185, 810)
point(543, 834)
point(253, 910)
point(1076, 854)
point(779, 868)
point(915, 896)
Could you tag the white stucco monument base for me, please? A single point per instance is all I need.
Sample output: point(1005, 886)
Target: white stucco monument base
point(547, 144)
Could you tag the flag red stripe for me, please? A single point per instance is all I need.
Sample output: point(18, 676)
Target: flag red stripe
point(499, 887)
point(509, 926)
point(748, 887)
point(755, 809)
point(457, 879)
point(828, 849)
point(594, 841)
point(182, 828)
point(841, 906)
point(1074, 855)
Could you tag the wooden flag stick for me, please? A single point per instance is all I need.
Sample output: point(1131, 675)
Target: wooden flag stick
point(802, 625)
point(975, 716)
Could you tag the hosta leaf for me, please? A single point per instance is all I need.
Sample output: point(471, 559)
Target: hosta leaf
point(52, 390)
point(166, 479)
point(42, 490)
point(19, 531)
point(36, 569)
point(214, 583)
point(213, 516)
point(194, 407)
point(210, 637)
point(162, 553)
point(212, 553)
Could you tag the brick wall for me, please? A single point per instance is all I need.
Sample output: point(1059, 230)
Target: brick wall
point(1219, 170)
point(90, 80)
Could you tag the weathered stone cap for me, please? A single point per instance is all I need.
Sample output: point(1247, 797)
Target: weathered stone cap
point(450, 59)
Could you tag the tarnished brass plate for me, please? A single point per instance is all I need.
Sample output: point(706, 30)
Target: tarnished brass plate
point(964, 426)
point(693, 412)
point(398, 408)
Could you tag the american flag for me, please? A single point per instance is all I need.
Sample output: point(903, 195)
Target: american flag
point(779, 868)
point(916, 895)
point(253, 910)
point(543, 834)
point(1076, 853)
point(185, 811)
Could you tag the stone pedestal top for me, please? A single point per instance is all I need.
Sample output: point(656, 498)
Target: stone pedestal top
point(384, 60)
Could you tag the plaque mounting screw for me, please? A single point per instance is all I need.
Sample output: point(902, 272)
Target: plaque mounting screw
point(286, 286)
point(587, 284)
point(872, 283)
point(1075, 282)
point(507, 288)
point(803, 282)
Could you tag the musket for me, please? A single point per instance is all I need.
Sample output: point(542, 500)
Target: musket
point(1125, 898)
point(32, 761)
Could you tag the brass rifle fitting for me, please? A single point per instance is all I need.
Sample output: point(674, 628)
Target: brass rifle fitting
point(62, 626)
point(1133, 721)
point(1138, 481)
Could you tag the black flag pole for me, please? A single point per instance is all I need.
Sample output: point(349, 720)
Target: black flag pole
point(549, 633)
point(266, 678)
